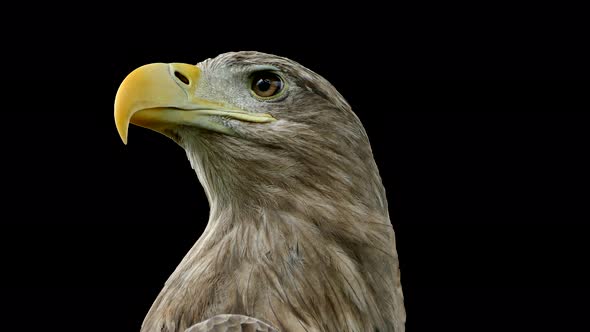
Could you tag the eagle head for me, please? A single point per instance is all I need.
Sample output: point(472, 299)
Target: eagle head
point(256, 127)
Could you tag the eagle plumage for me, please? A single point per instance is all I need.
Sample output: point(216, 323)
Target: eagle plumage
point(299, 236)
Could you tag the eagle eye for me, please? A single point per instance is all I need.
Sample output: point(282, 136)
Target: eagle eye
point(266, 84)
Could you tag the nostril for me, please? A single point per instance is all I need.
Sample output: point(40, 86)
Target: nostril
point(182, 77)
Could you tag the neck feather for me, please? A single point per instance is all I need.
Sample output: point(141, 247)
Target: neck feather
point(287, 270)
point(296, 253)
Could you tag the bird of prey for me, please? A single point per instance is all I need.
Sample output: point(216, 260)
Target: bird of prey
point(299, 236)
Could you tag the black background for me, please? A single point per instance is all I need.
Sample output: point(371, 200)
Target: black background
point(486, 173)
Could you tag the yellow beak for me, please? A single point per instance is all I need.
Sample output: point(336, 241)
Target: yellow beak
point(160, 96)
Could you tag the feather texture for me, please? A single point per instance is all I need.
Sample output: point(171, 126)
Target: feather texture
point(231, 323)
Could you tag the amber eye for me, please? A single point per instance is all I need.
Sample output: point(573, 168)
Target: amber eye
point(266, 84)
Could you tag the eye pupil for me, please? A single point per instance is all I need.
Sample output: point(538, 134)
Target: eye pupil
point(263, 84)
point(266, 84)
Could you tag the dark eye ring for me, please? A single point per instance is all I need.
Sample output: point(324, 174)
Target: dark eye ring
point(266, 84)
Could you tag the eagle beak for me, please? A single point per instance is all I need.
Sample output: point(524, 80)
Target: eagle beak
point(160, 96)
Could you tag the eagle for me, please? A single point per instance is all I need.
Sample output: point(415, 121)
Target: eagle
point(298, 236)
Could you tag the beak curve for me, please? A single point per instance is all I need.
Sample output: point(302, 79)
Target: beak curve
point(159, 96)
